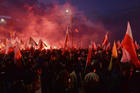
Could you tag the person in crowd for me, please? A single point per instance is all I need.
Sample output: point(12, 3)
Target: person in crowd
point(52, 71)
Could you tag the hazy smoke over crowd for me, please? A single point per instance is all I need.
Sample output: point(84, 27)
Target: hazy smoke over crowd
point(30, 18)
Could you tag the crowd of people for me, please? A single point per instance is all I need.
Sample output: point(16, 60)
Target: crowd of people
point(98, 69)
point(52, 71)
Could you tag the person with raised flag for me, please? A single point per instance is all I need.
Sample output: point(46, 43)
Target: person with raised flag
point(88, 61)
point(114, 72)
point(128, 45)
point(66, 41)
point(114, 55)
point(126, 70)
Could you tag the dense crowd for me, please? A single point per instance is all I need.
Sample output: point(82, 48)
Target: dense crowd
point(52, 71)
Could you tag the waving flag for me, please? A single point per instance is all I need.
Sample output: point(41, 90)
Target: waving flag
point(114, 55)
point(136, 45)
point(89, 56)
point(17, 56)
point(32, 42)
point(66, 41)
point(9, 49)
point(105, 41)
point(128, 44)
point(125, 56)
point(94, 47)
point(108, 47)
point(40, 45)
point(118, 45)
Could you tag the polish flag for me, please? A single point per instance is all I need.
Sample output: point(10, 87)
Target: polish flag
point(105, 41)
point(94, 47)
point(9, 49)
point(66, 47)
point(125, 56)
point(40, 45)
point(118, 45)
point(32, 42)
point(66, 38)
point(136, 45)
point(108, 47)
point(128, 45)
point(17, 56)
point(89, 56)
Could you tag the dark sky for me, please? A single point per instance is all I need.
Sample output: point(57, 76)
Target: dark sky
point(114, 14)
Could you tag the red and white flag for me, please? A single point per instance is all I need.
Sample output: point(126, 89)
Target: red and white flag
point(136, 45)
point(9, 49)
point(105, 41)
point(17, 56)
point(128, 45)
point(89, 56)
point(94, 47)
point(98, 46)
point(40, 45)
point(66, 39)
point(118, 45)
point(125, 56)
point(32, 42)
point(108, 47)
point(66, 47)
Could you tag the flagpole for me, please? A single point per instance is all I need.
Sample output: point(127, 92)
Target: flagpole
point(110, 64)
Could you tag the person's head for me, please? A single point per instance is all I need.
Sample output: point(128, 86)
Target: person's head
point(91, 83)
point(126, 70)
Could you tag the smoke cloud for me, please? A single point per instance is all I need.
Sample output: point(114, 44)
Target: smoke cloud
point(30, 18)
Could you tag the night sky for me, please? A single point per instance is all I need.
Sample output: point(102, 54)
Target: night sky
point(114, 14)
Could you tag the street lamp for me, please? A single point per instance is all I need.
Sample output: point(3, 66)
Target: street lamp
point(67, 11)
point(2, 21)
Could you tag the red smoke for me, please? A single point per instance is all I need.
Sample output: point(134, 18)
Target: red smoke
point(49, 24)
